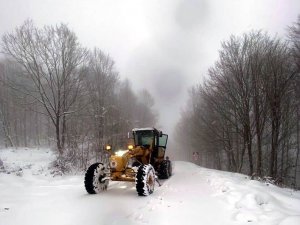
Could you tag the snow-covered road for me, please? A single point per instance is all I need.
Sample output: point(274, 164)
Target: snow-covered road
point(193, 195)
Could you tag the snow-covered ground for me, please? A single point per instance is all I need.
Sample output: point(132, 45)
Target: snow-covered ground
point(30, 195)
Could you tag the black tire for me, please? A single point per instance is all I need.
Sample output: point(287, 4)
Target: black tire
point(93, 177)
point(170, 168)
point(165, 170)
point(145, 180)
point(136, 164)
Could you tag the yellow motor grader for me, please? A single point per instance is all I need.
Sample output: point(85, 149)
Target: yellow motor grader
point(142, 162)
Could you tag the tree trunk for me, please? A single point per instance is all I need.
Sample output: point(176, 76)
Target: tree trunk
point(259, 153)
point(64, 131)
point(272, 158)
point(298, 148)
point(57, 131)
point(249, 149)
point(258, 129)
point(37, 126)
point(248, 140)
point(274, 144)
point(25, 127)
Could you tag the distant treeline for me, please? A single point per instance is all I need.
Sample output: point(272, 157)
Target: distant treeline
point(245, 116)
point(53, 91)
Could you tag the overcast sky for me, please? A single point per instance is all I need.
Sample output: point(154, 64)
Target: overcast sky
point(165, 46)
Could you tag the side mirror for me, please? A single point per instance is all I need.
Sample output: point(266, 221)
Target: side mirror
point(160, 133)
point(130, 135)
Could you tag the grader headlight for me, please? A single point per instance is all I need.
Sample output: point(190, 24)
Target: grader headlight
point(108, 147)
point(130, 147)
point(120, 152)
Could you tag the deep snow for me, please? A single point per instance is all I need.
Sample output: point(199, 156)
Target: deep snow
point(30, 195)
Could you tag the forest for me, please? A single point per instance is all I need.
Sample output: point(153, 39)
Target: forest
point(55, 92)
point(245, 116)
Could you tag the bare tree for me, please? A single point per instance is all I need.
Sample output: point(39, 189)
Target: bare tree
point(50, 58)
point(277, 80)
point(127, 102)
point(294, 38)
point(100, 82)
point(3, 115)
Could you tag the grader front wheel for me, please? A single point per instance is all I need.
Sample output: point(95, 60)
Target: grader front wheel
point(93, 180)
point(145, 180)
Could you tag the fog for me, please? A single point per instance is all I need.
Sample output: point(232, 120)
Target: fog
point(163, 46)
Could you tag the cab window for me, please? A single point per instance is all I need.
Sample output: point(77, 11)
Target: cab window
point(143, 138)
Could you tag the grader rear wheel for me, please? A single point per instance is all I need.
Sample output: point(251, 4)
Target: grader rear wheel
point(165, 169)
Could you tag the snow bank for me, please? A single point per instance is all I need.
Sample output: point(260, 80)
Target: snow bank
point(28, 161)
point(253, 201)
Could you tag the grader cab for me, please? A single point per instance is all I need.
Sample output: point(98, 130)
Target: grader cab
point(142, 162)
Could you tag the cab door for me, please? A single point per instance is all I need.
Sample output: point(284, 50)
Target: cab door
point(163, 141)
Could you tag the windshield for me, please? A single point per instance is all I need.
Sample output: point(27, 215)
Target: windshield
point(143, 138)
